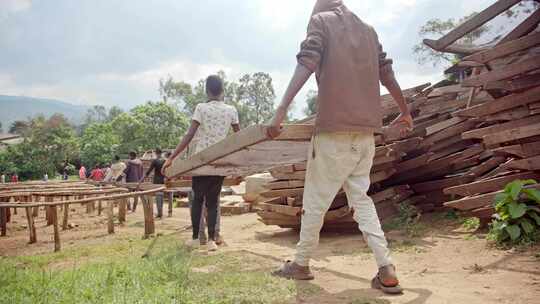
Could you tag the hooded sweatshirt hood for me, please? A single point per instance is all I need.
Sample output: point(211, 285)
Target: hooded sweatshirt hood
point(326, 6)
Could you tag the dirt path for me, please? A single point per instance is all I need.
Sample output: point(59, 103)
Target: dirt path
point(444, 265)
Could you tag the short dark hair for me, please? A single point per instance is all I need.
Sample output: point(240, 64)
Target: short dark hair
point(214, 85)
point(132, 154)
point(116, 158)
point(157, 151)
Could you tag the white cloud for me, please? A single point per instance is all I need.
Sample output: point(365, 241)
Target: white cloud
point(14, 6)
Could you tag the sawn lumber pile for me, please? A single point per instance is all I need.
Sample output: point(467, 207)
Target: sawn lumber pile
point(470, 139)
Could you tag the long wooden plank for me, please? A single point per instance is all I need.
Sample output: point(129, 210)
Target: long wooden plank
point(512, 134)
point(490, 185)
point(443, 125)
point(234, 143)
point(449, 132)
point(295, 192)
point(506, 72)
point(501, 104)
point(527, 26)
point(513, 114)
point(470, 25)
point(523, 150)
point(281, 209)
point(436, 185)
point(479, 201)
point(284, 184)
point(480, 133)
point(532, 163)
point(521, 83)
point(414, 163)
point(506, 49)
point(487, 166)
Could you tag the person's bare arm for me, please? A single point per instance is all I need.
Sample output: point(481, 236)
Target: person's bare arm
point(183, 144)
point(236, 128)
point(395, 90)
point(301, 75)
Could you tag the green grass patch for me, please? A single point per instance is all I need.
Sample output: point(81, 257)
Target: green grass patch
point(116, 273)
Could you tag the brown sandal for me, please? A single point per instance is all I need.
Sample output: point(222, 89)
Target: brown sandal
point(387, 281)
point(293, 271)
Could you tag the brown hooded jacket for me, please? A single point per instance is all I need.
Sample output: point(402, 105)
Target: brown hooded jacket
point(349, 62)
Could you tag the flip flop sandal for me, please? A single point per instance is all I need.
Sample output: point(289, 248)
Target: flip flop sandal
point(377, 284)
point(287, 271)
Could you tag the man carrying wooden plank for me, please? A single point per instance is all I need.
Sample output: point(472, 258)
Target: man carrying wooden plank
point(349, 62)
point(211, 122)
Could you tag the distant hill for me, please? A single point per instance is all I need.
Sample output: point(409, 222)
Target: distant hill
point(14, 108)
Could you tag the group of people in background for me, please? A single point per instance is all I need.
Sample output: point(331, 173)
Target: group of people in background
point(14, 178)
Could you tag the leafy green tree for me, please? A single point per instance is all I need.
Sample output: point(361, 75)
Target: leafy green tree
point(47, 145)
point(18, 127)
point(183, 94)
point(256, 97)
point(436, 28)
point(145, 127)
point(128, 129)
point(95, 114)
point(98, 144)
point(113, 113)
point(162, 124)
point(311, 101)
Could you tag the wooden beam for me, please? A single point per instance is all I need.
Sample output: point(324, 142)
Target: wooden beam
point(522, 151)
point(532, 163)
point(470, 25)
point(278, 185)
point(489, 185)
point(479, 201)
point(281, 209)
point(440, 184)
point(501, 104)
point(487, 166)
point(506, 49)
point(517, 113)
point(54, 216)
point(521, 83)
point(294, 192)
point(480, 133)
point(31, 226)
point(506, 72)
point(512, 134)
point(443, 125)
point(527, 26)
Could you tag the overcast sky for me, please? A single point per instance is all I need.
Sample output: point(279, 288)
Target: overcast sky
point(113, 52)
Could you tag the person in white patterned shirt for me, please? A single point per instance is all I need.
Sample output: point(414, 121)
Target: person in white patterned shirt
point(211, 122)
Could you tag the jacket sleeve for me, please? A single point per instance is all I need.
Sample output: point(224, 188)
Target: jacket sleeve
point(386, 71)
point(312, 49)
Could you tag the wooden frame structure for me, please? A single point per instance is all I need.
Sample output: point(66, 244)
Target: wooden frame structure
point(19, 196)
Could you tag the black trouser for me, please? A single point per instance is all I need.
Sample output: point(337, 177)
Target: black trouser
point(205, 188)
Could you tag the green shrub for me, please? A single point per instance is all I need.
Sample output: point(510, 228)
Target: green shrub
point(517, 218)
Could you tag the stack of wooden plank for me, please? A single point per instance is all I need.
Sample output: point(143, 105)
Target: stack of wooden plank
point(470, 139)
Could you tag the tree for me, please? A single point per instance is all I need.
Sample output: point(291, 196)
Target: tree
point(113, 113)
point(18, 127)
point(311, 101)
point(183, 94)
point(256, 97)
point(437, 27)
point(95, 114)
point(47, 145)
point(149, 126)
point(98, 144)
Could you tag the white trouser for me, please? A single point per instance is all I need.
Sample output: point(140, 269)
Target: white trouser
point(339, 160)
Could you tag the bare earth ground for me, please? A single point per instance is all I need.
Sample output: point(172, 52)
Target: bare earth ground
point(446, 264)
